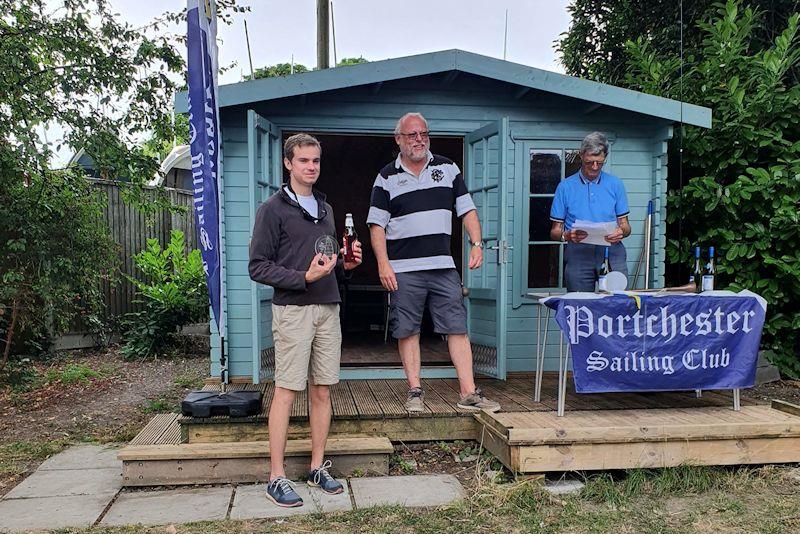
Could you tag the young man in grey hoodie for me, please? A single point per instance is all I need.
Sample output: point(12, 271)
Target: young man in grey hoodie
point(294, 249)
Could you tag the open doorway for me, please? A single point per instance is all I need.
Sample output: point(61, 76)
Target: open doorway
point(350, 164)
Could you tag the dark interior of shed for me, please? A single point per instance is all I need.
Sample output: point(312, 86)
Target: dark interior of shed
point(350, 164)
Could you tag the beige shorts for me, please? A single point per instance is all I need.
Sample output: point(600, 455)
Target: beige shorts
point(308, 344)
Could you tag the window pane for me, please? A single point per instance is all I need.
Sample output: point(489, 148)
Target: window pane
point(539, 224)
point(572, 162)
point(543, 265)
point(545, 171)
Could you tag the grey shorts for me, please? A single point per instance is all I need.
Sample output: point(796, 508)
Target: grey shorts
point(440, 290)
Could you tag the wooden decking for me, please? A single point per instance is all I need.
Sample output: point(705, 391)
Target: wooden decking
point(601, 431)
point(163, 429)
point(534, 442)
point(375, 407)
point(354, 399)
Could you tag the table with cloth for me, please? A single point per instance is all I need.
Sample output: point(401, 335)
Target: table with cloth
point(644, 341)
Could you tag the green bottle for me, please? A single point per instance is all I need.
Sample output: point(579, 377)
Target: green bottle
point(697, 275)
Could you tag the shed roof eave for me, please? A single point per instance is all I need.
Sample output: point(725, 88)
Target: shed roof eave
point(449, 60)
point(317, 81)
point(562, 84)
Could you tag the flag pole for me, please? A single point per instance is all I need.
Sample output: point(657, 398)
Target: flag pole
point(204, 134)
point(205, 147)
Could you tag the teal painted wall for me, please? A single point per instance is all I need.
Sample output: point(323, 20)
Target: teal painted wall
point(452, 106)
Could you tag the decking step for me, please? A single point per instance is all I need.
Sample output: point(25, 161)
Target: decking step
point(235, 462)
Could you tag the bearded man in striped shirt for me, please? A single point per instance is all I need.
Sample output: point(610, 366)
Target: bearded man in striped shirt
point(410, 220)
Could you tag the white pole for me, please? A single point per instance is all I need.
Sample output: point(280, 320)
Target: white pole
point(333, 33)
point(505, 38)
point(647, 254)
point(249, 55)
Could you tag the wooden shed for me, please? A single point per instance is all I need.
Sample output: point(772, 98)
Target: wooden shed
point(514, 131)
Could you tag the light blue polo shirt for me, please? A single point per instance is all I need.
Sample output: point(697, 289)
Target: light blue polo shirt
point(599, 200)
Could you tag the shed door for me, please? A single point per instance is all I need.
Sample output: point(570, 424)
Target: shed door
point(487, 181)
point(266, 176)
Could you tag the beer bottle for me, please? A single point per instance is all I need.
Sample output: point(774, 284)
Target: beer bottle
point(697, 275)
point(708, 275)
point(605, 268)
point(349, 238)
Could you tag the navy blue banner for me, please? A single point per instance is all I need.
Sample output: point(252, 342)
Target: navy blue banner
point(662, 343)
point(204, 144)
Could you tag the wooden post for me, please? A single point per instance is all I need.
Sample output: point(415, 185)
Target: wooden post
point(323, 35)
point(786, 407)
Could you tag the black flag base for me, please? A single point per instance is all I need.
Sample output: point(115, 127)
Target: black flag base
point(203, 403)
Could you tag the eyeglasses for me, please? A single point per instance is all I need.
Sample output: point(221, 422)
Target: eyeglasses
point(413, 135)
point(594, 163)
point(306, 215)
point(309, 217)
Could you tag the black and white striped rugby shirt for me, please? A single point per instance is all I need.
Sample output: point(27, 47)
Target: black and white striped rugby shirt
point(417, 212)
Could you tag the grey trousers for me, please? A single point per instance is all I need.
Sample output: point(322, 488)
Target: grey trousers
point(582, 261)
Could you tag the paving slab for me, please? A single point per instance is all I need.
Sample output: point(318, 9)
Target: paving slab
point(83, 457)
point(161, 507)
point(415, 491)
point(47, 513)
point(563, 487)
point(66, 482)
point(251, 502)
point(794, 474)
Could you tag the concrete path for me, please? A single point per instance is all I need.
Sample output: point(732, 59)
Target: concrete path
point(81, 487)
point(415, 491)
point(71, 489)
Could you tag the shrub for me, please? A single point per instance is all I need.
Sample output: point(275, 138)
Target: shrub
point(55, 251)
point(744, 191)
point(173, 293)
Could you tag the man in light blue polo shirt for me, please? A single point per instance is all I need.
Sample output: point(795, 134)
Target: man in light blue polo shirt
point(596, 196)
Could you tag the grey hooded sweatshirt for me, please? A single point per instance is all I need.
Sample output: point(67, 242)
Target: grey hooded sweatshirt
point(285, 240)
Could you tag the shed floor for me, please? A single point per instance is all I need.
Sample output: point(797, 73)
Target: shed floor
point(369, 349)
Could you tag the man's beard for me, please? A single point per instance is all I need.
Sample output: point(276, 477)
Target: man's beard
point(415, 156)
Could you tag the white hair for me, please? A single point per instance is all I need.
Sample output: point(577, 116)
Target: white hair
point(408, 116)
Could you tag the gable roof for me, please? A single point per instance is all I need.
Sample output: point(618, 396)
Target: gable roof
point(456, 60)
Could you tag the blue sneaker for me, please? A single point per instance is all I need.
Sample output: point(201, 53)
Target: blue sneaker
point(281, 492)
point(321, 478)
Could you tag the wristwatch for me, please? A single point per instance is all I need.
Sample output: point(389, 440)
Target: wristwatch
point(478, 244)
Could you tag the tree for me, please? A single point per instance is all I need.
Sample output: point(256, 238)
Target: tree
point(743, 188)
point(158, 146)
point(279, 69)
point(594, 45)
point(287, 69)
point(344, 62)
point(106, 84)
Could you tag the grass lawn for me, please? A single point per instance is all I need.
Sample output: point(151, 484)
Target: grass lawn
point(85, 396)
point(101, 397)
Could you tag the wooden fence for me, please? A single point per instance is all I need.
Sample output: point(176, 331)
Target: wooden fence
point(130, 229)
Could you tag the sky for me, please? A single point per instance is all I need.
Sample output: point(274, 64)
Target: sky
point(374, 29)
point(380, 29)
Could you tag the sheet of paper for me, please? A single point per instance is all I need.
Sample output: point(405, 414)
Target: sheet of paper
point(597, 231)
